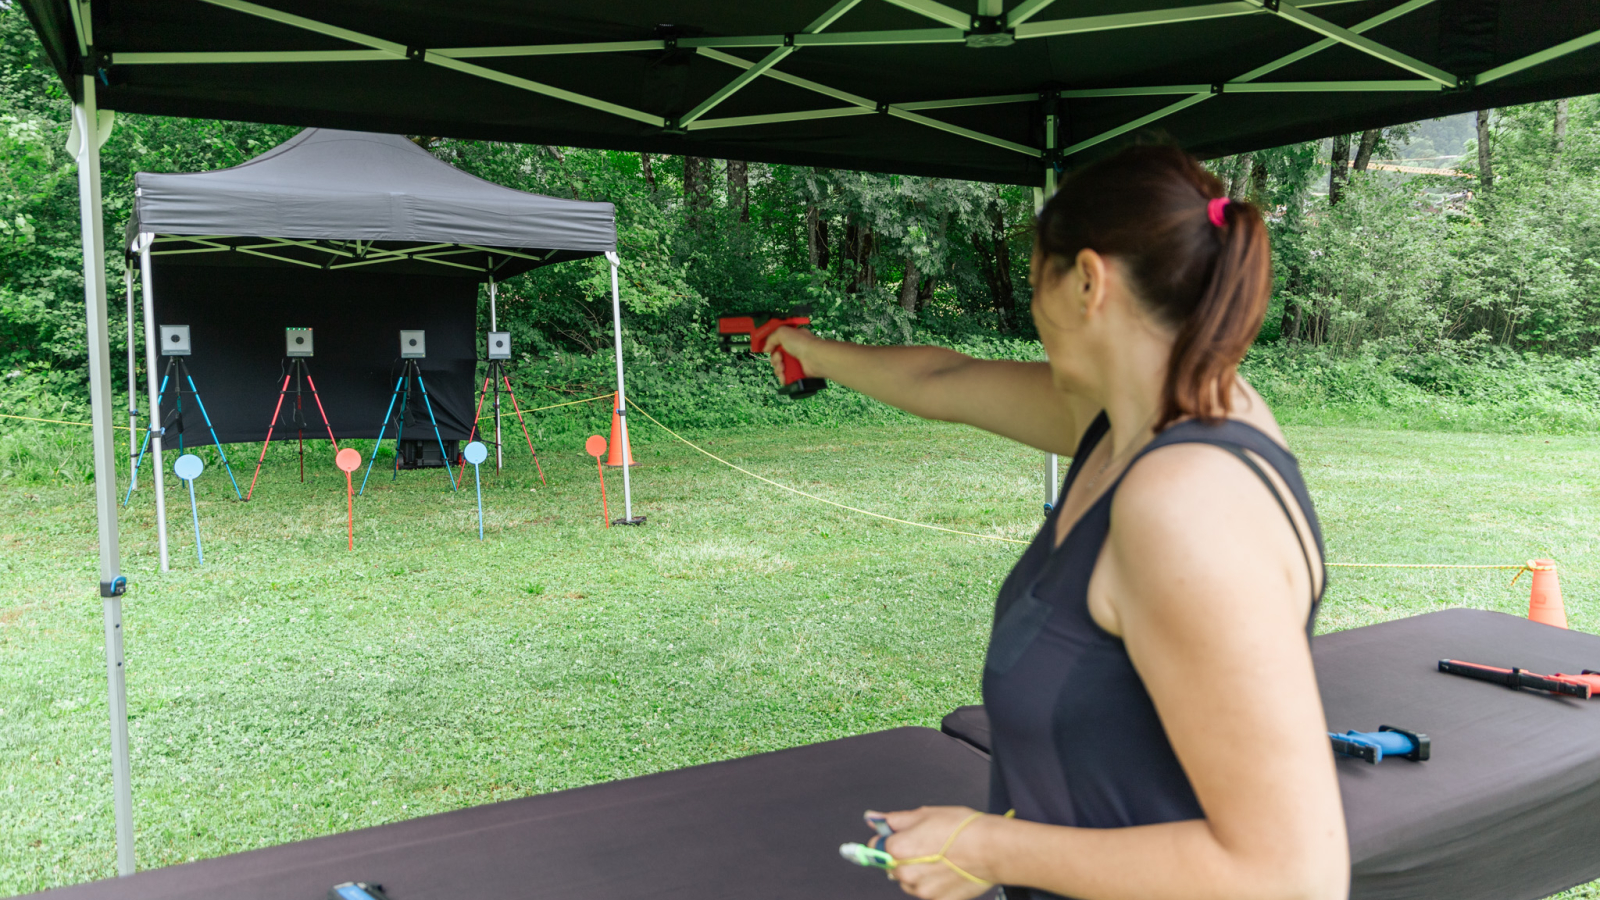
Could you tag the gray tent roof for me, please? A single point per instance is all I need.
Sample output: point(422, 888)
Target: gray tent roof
point(331, 189)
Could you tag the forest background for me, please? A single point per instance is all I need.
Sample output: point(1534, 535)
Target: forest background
point(1458, 301)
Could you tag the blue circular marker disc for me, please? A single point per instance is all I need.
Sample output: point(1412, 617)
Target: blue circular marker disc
point(476, 452)
point(188, 467)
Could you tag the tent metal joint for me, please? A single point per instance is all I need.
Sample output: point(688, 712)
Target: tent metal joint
point(417, 54)
point(990, 31)
point(116, 587)
point(788, 39)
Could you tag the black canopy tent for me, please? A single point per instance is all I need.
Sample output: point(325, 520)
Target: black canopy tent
point(990, 89)
point(356, 235)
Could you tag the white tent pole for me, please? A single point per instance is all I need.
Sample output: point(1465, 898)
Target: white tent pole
point(494, 323)
point(1052, 463)
point(133, 387)
point(622, 394)
point(148, 284)
point(87, 119)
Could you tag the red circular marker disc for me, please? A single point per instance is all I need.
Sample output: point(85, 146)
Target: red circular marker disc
point(596, 445)
point(348, 459)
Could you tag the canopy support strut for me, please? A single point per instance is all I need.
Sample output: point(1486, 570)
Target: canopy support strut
point(87, 119)
point(1052, 462)
point(622, 393)
point(147, 284)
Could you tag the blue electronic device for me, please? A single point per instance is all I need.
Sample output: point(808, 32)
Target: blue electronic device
point(357, 890)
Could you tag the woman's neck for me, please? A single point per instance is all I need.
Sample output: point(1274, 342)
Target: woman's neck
point(1134, 375)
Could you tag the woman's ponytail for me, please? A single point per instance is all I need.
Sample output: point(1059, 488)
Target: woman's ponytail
point(1214, 336)
point(1198, 261)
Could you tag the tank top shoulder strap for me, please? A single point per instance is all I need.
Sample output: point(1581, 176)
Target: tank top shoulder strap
point(1242, 440)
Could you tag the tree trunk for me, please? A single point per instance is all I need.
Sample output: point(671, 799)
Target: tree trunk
point(739, 188)
point(1485, 163)
point(696, 187)
point(855, 255)
point(817, 250)
point(1238, 185)
point(1369, 140)
point(994, 260)
point(1005, 295)
point(1561, 126)
point(1258, 186)
point(908, 287)
point(1338, 168)
point(647, 171)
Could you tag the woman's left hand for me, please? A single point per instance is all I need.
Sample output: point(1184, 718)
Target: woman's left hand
point(924, 832)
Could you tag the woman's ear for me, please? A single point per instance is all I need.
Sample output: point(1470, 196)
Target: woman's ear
point(1089, 281)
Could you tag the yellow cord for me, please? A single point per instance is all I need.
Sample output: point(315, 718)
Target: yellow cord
point(556, 405)
point(56, 421)
point(986, 537)
point(941, 858)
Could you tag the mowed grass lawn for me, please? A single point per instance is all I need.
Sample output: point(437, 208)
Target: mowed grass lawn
point(290, 688)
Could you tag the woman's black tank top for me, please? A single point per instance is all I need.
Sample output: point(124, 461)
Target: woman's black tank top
point(1076, 739)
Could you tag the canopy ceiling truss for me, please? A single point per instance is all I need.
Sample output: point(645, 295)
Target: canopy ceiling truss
point(991, 26)
point(331, 255)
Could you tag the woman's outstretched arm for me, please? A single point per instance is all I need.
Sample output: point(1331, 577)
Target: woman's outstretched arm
point(1017, 400)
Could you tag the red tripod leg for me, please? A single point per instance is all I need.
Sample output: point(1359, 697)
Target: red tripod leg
point(268, 442)
point(317, 397)
point(474, 432)
point(524, 425)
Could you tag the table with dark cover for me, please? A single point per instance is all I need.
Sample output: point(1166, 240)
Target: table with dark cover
point(761, 826)
point(1509, 805)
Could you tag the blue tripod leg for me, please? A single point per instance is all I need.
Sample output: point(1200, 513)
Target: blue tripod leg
point(443, 457)
point(159, 394)
point(400, 424)
point(201, 403)
point(381, 429)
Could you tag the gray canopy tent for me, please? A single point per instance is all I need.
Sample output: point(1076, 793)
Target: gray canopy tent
point(333, 201)
point(990, 89)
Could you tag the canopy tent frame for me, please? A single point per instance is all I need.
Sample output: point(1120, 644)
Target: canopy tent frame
point(960, 28)
point(83, 71)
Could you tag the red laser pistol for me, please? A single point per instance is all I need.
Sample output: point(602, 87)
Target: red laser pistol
point(754, 329)
point(1520, 679)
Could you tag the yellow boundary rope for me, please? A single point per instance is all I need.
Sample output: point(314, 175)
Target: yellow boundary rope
point(56, 421)
point(553, 405)
point(865, 512)
point(1528, 566)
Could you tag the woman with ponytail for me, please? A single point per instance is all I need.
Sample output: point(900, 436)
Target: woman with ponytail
point(1157, 730)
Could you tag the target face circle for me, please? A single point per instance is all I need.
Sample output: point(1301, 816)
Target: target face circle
point(596, 445)
point(476, 452)
point(348, 460)
point(188, 467)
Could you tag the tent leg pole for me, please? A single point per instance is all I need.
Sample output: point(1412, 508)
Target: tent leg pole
point(105, 466)
point(622, 393)
point(499, 452)
point(133, 387)
point(1052, 462)
point(148, 286)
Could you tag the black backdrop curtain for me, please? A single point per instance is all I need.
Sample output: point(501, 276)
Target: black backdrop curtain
point(237, 317)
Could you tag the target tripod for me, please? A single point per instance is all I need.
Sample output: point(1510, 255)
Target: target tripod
point(409, 372)
point(298, 372)
point(496, 377)
point(173, 421)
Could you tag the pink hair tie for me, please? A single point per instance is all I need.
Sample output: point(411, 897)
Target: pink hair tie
point(1214, 211)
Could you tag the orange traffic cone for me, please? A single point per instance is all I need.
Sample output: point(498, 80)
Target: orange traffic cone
point(1544, 604)
point(619, 448)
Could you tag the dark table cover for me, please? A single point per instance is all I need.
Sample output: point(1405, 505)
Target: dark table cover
point(1509, 805)
point(761, 826)
point(1508, 808)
